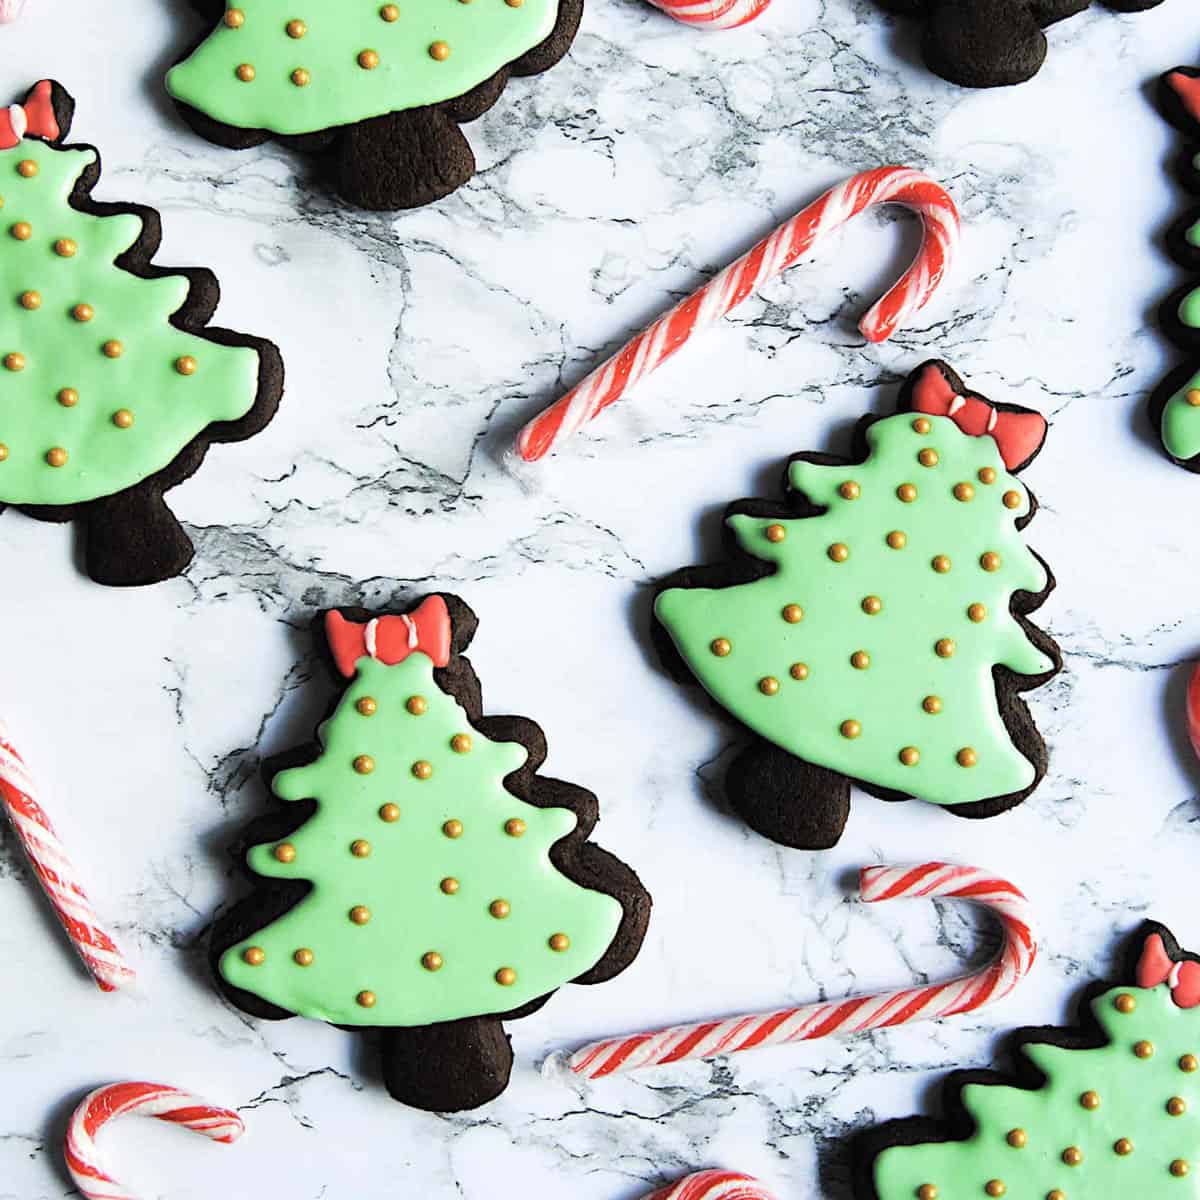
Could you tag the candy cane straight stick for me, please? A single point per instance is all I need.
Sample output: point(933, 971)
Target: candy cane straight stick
point(713, 14)
point(933, 880)
point(773, 255)
point(54, 872)
point(1193, 709)
point(714, 1185)
point(140, 1100)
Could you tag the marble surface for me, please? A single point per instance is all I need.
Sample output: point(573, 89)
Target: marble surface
point(415, 346)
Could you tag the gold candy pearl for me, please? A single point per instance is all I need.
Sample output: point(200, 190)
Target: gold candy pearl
point(928, 458)
point(910, 756)
point(303, 957)
point(986, 475)
point(721, 647)
point(932, 704)
point(1176, 1106)
point(186, 365)
point(66, 248)
point(296, 29)
point(850, 490)
point(83, 312)
point(897, 540)
point(122, 418)
point(14, 361)
point(1179, 1168)
point(453, 829)
point(1188, 1063)
point(360, 848)
point(927, 1191)
point(417, 705)
point(944, 648)
point(235, 18)
point(1193, 397)
point(1090, 1101)
point(364, 764)
point(499, 909)
point(1122, 1146)
point(1125, 1003)
point(246, 72)
point(514, 3)
point(365, 999)
point(390, 813)
point(768, 685)
point(872, 605)
point(964, 492)
point(450, 885)
point(431, 960)
point(977, 612)
point(559, 942)
point(460, 743)
point(922, 425)
point(990, 561)
point(995, 1187)
point(300, 77)
point(775, 533)
point(285, 852)
point(839, 552)
point(22, 231)
point(366, 706)
point(422, 769)
point(67, 397)
point(390, 13)
point(506, 977)
point(27, 168)
point(3, 452)
point(1072, 1156)
point(369, 59)
point(793, 614)
point(439, 51)
point(798, 671)
point(1143, 1049)
point(1017, 1139)
point(1012, 499)
point(941, 563)
point(56, 456)
point(515, 827)
point(360, 914)
point(31, 301)
point(1056, 1194)
point(907, 492)
point(112, 348)
point(850, 729)
point(860, 660)
point(254, 956)
point(966, 757)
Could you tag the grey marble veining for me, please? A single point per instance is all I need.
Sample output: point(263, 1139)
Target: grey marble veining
point(415, 346)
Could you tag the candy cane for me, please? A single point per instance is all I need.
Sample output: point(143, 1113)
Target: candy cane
point(714, 1185)
point(839, 1017)
point(713, 14)
point(773, 255)
point(1193, 709)
point(54, 872)
point(10, 10)
point(139, 1100)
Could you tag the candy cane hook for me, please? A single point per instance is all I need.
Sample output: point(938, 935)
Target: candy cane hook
point(1193, 709)
point(713, 14)
point(714, 1185)
point(772, 256)
point(839, 1017)
point(116, 1100)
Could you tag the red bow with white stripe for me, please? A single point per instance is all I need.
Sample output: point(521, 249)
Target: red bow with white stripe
point(1156, 966)
point(1018, 435)
point(391, 639)
point(34, 118)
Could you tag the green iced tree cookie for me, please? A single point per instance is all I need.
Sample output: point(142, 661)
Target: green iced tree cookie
point(876, 631)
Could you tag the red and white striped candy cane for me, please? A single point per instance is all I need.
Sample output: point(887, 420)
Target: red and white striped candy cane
point(1193, 709)
point(136, 1100)
point(714, 1185)
point(773, 255)
point(713, 14)
point(55, 873)
point(840, 1017)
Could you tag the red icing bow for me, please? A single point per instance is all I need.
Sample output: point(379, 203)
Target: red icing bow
point(391, 639)
point(1188, 91)
point(33, 119)
point(1155, 966)
point(1018, 435)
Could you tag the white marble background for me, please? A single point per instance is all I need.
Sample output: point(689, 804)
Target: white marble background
point(414, 347)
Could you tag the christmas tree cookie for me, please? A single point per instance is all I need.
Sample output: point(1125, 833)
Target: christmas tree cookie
point(873, 627)
point(423, 880)
point(379, 90)
point(112, 384)
point(1175, 405)
point(1102, 1110)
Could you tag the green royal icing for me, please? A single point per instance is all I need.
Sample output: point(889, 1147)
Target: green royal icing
point(1133, 1095)
point(1189, 309)
point(1181, 422)
point(482, 36)
point(169, 409)
point(1193, 235)
point(920, 606)
point(400, 880)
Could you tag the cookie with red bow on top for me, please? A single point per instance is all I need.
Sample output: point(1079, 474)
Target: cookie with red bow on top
point(873, 627)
